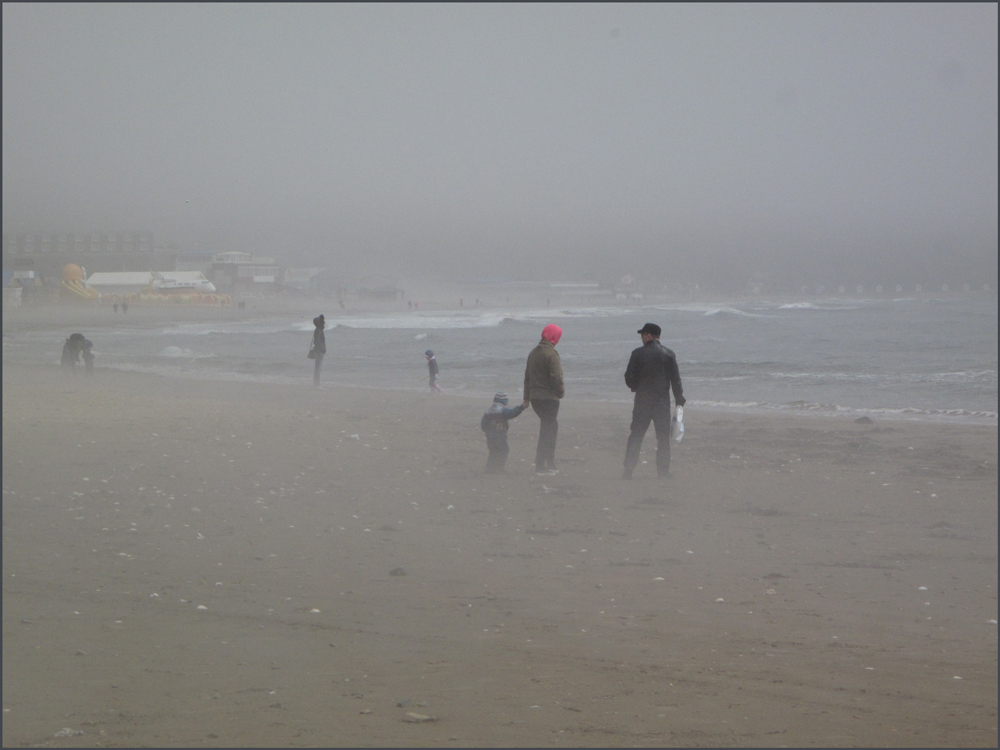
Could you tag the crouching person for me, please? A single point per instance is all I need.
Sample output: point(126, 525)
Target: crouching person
point(494, 424)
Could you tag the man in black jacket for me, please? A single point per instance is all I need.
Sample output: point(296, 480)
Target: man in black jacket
point(651, 373)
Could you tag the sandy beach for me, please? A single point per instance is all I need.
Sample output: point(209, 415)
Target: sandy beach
point(205, 564)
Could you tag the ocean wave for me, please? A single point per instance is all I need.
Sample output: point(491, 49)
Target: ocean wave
point(732, 311)
point(206, 329)
point(420, 321)
point(176, 351)
point(955, 377)
point(460, 319)
point(573, 312)
point(858, 376)
point(935, 378)
point(726, 404)
point(984, 417)
point(813, 306)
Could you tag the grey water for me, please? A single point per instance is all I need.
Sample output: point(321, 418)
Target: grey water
point(904, 358)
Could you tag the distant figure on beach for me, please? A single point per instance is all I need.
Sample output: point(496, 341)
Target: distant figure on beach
point(651, 373)
point(86, 346)
point(317, 350)
point(495, 424)
point(124, 307)
point(432, 371)
point(543, 387)
point(116, 307)
point(71, 353)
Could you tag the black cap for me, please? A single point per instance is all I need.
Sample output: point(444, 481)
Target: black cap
point(650, 328)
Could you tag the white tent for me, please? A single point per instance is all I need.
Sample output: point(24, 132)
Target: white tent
point(124, 282)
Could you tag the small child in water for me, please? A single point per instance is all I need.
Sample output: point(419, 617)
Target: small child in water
point(494, 424)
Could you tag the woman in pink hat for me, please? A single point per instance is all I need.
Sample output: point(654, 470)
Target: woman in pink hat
point(543, 387)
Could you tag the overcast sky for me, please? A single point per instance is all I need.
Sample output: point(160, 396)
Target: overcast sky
point(462, 137)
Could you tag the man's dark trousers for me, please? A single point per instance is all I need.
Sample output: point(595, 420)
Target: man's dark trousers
point(499, 449)
point(655, 409)
point(545, 454)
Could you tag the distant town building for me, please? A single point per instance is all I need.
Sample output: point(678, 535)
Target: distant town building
point(194, 262)
point(302, 279)
point(47, 253)
point(243, 273)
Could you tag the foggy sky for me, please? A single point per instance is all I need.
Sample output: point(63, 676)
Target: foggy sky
point(513, 140)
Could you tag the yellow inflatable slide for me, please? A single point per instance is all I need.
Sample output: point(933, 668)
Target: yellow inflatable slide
point(72, 281)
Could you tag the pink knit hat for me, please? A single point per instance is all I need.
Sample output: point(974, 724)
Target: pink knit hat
point(552, 333)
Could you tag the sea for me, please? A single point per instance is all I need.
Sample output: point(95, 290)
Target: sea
point(905, 358)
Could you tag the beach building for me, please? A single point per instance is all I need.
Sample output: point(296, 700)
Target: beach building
point(195, 261)
point(48, 252)
point(245, 274)
point(302, 279)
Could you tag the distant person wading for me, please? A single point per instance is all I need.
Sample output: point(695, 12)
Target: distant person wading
point(432, 371)
point(86, 347)
point(318, 348)
point(71, 353)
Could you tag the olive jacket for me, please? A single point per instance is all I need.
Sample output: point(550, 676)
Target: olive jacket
point(543, 376)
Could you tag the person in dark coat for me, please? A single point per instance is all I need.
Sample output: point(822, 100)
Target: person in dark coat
point(71, 353)
point(651, 374)
point(317, 349)
point(495, 424)
point(433, 370)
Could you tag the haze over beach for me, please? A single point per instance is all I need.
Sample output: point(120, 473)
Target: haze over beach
point(202, 549)
point(829, 144)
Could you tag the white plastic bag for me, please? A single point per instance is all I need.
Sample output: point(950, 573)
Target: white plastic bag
point(677, 426)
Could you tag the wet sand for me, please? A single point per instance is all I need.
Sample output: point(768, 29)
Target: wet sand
point(800, 581)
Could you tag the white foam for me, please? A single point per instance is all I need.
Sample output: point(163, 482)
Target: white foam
point(427, 321)
point(731, 311)
point(204, 329)
point(986, 418)
point(176, 351)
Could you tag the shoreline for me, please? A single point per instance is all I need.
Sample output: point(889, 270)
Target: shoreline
point(958, 417)
point(52, 311)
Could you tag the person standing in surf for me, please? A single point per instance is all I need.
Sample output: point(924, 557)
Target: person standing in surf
point(432, 371)
point(86, 347)
point(71, 353)
point(543, 387)
point(651, 373)
point(317, 349)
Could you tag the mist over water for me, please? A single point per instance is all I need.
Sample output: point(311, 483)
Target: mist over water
point(713, 144)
